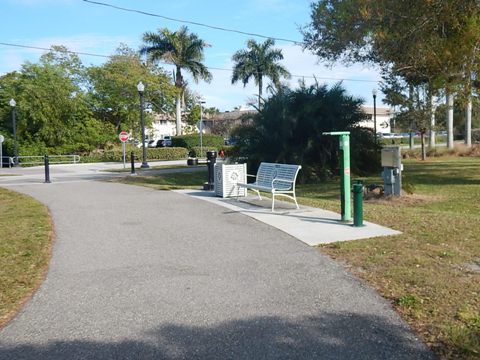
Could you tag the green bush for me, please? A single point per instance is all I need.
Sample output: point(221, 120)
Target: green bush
point(196, 151)
point(116, 154)
point(476, 136)
point(191, 141)
point(290, 128)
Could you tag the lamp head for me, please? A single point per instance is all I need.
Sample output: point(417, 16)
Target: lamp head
point(140, 87)
point(12, 103)
point(374, 92)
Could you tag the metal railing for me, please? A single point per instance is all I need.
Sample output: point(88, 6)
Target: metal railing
point(6, 161)
point(39, 160)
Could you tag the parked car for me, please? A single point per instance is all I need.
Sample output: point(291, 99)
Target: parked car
point(230, 141)
point(167, 141)
point(152, 143)
point(386, 135)
point(140, 144)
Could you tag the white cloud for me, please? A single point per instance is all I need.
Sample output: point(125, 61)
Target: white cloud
point(99, 44)
point(11, 58)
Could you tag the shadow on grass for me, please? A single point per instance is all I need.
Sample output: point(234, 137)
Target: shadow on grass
point(332, 336)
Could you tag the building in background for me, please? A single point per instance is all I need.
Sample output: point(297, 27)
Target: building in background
point(162, 125)
point(224, 122)
point(384, 118)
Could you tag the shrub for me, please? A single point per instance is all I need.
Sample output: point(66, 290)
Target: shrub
point(116, 154)
point(191, 141)
point(476, 136)
point(196, 151)
point(290, 127)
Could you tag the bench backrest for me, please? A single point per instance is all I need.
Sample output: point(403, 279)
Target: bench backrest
point(269, 171)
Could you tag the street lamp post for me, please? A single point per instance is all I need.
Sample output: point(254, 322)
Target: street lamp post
point(13, 104)
point(374, 93)
point(201, 126)
point(141, 89)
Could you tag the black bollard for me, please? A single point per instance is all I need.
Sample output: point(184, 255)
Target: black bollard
point(132, 162)
point(211, 160)
point(47, 169)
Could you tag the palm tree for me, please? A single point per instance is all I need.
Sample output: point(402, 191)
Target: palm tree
point(182, 49)
point(258, 61)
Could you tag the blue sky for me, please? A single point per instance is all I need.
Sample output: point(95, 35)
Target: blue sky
point(86, 27)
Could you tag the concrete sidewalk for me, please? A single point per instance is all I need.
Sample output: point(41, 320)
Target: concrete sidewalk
point(313, 226)
point(61, 173)
point(143, 274)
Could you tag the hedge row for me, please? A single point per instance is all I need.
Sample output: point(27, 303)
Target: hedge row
point(476, 136)
point(116, 154)
point(191, 141)
point(201, 152)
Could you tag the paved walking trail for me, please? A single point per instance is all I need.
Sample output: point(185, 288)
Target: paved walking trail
point(143, 274)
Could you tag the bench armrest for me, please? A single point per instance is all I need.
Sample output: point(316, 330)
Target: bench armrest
point(283, 180)
point(282, 183)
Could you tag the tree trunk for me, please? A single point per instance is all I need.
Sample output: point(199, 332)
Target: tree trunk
point(431, 139)
point(178, 103)
point(468, 122)
point(410, 107)
point(424, 150)
point(450, 97)
point(179, 114)
point(260, 86)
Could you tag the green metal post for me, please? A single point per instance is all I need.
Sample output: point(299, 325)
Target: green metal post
point(358, 203)
point(344, 173)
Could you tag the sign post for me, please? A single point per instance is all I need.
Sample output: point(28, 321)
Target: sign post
point(123, 136)
point(1, 151)
point(344, 172)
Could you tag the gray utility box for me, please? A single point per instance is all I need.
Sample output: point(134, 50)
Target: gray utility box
point(392, 170)
point(226, 178)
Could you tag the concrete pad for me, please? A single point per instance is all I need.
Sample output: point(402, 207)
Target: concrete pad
point(311, 225)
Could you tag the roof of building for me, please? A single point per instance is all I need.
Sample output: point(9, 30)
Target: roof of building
point(232, 115)
point(381, 110)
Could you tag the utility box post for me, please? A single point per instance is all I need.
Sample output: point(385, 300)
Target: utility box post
point(392, 170)
point(344, 145)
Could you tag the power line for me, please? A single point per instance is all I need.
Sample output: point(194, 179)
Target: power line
point(50, 49)
point(208, 67)
point(193, 22)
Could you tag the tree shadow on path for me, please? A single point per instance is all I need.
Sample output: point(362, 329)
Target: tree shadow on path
point(330, 336)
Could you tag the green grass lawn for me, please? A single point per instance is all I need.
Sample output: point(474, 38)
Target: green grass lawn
point(152, 167)
point(25, 242)
point(430, 271)
point(173, 181)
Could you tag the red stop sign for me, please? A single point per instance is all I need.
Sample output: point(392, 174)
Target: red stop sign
point(123, 136)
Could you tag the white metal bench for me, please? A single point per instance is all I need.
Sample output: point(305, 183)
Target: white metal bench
point(277, 179)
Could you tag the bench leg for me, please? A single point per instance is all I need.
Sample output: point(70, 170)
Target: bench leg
point(295, 199)
point(273, 201)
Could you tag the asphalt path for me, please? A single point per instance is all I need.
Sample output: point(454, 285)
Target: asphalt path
point(143, 274)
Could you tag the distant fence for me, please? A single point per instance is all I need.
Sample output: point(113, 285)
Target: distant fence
point(39, 160)
point(6, 161)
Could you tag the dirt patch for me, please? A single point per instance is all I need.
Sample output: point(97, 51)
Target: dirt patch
point(405, 199)
point(473, 267)
point(473, 151)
